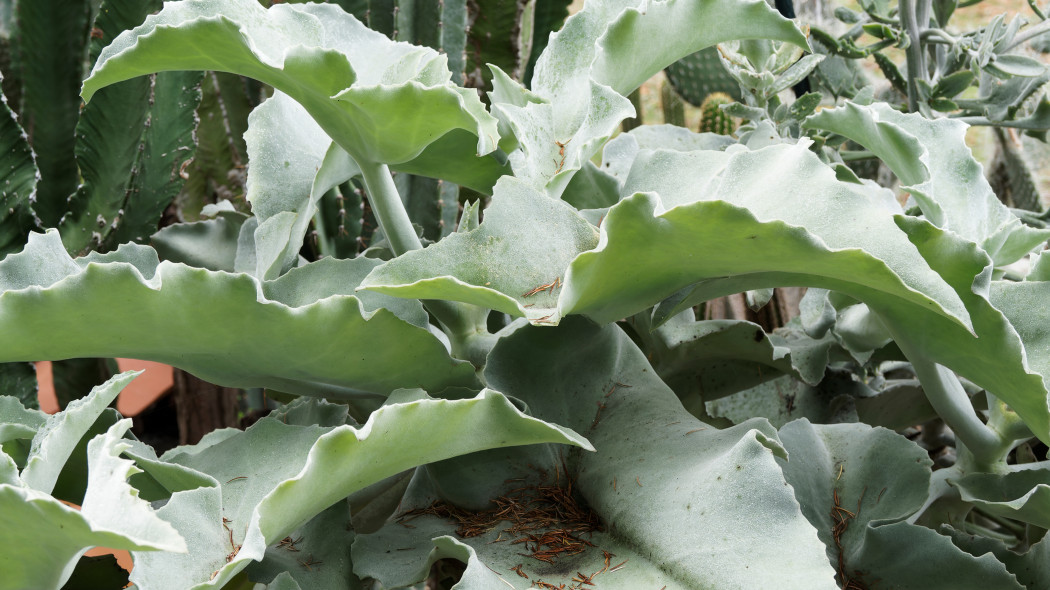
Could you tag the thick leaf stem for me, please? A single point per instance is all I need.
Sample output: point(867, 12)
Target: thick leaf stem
point(949, 399)
point(914, 55)
point(390, 212)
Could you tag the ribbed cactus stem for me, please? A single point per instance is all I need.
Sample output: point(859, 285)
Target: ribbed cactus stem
point(712, 118)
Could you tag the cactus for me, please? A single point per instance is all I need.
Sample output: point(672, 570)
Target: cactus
point(714, 119)
point(131, 146)
point(674, 110)
point(217, 171)
point(51, 38)
point(696, 76)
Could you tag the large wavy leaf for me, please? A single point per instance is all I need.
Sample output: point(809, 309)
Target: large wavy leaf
point(279, 476)
point(689, 520)
point(59, 435)
point(703, 216)
point(381, 101)
point(527, 241)
point(604, 52)
point(935, 165)
point(293, 163)
point(53, 535)
point(304, 333)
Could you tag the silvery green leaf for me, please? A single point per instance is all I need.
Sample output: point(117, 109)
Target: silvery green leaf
point(880, 478)
point(679, 522)
point(936, 166)
point(272, 479)
point(305, 333)
point(357, 84)
point(58, 436)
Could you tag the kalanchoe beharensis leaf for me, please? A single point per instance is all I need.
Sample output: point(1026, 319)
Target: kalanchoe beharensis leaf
point(513, 262)
point(857, 485)
point(604, 52)
point(60, 434)
point(271, 480)
point(383, 102)
point(53, 535)
point(293, 163)
point(721, 209)
point(679, 522)
point(928, 286)
point(705, 360)
point(934, 164)
point(1022, 493)
point(305, 333)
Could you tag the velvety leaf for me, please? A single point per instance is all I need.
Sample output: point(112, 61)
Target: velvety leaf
point(928, 311)
point(56, 439)
point(330, 63)
point(264, 500)
point(784, 399)
point(500, 264)
point(935, 165)
point(721, 357)
point(209, 244)
point(54, 535)
point(871, 479)
point(722, 207)
point(17, 420)
point(317, 555)
point(913, 557)
point(233, 330)
point(293, 163)
point(1032, 567)
point(679, 521)
point(604, 52)
point(1020, 494)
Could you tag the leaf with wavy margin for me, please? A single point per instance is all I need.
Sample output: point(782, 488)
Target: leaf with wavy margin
point(691, 519)
point(880, 478)
point(381, 101)
point(601, 54)
point(305, 333)
point(934, 164)
point(53, 536)
point(279, 476)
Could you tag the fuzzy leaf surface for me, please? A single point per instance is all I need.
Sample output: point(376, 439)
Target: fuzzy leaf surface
point(880, 478)
point(935, 165)
point(279, 476)
point(383, 102)
point(680, 521)
point(226, 328)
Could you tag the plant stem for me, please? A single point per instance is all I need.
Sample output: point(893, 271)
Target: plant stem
point(455, 318)
point(389, 210)
point(914, 55)
point(949, 399)
point(1029, 34)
